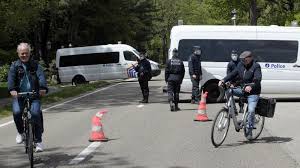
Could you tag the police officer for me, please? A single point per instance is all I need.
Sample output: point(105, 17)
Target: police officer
point(230, 68)
point(233, 63)
point(174, 74)
point(144, 75)
point(195, 73)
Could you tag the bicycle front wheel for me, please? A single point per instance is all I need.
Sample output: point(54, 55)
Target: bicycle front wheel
point(30, 144)
point(220, 127)
point(258, 126)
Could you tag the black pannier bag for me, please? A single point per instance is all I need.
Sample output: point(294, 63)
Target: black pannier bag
point(266, 107)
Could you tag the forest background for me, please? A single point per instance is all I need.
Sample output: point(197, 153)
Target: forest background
point(144, 24)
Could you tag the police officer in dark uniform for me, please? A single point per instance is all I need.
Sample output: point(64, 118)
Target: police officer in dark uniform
point(174, 74)
point(144, 75)
point(233, 63)
point(195, 72)
point(230, 68)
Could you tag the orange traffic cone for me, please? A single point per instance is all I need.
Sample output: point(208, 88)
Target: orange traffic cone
point(202, 116)
point(97, 133)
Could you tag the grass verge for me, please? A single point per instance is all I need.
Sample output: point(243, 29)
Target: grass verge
point(63, 93)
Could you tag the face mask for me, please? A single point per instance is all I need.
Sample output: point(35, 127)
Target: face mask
point(198, 52)
point(234, 57)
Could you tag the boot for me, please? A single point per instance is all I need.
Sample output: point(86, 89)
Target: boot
point(142, 101)
point(172, 106)
point(145, 100)
point(195, 100)
point(176, 107)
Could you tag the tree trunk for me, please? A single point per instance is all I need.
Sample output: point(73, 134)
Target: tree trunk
point(44, 38)
point(164, 47)
point(253, 12)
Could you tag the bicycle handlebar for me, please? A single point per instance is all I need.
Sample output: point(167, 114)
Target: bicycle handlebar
point(227, 85)
point(27, 94)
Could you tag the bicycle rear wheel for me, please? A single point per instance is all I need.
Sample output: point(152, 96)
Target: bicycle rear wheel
point(258, 126)
point(30, 144)
point(220, 127)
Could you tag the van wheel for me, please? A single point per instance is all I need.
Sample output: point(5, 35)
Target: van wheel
point(78, 80)
point(215, 93)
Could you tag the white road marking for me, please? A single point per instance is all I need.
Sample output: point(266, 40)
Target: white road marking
point(82, 155)
point(140, 106)
point(10, 122)
point(44, 110)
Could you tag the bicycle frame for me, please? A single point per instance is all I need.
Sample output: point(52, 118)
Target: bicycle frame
point(26, 114)
point(28, 125)
point(221, 122)
point(231, 107)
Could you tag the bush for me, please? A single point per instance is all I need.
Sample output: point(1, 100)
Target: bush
point(4, 72)
point(51, 72)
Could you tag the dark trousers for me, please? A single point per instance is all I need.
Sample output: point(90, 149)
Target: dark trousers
point(145, 88)
point(195, 89)
point(173, 91)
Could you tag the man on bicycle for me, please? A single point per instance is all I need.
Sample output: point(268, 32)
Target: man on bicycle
point(249, 72)
point(26, 75)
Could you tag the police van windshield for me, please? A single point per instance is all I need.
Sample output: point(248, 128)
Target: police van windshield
point(214, 50)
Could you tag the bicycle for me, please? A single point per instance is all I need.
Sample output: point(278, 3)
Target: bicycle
point(28, 125)
point(221, 122)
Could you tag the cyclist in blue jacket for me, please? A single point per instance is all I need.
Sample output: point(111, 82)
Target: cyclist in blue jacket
point(26, 75)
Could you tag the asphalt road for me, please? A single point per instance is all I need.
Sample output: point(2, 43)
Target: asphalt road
point(144, 136)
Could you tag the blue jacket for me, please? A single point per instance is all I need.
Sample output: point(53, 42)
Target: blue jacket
point(251, 74)
point(16, 73)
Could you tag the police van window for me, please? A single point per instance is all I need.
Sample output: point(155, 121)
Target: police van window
point(219, 50)
point(89, 59)
point(129, 56)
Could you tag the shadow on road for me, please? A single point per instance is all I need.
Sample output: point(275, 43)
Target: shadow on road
point(271, 139)
point(59, 157)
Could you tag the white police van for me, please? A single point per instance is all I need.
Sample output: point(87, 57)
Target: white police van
point(102, 62)
point(276, 49)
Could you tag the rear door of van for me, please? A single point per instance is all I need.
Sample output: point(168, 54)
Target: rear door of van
point(130, 60)
point(278, 55)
